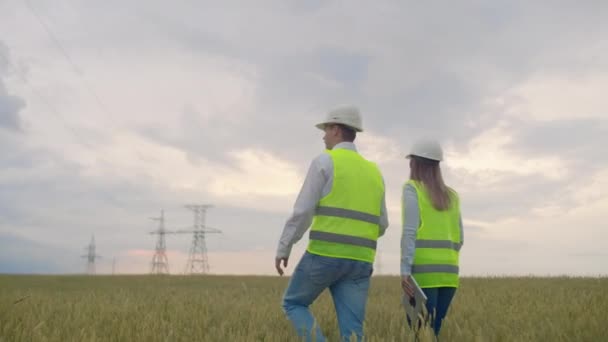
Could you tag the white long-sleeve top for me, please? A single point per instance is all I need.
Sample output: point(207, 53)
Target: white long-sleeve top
point(318, 184)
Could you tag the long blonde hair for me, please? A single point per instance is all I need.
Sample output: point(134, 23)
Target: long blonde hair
point(428, 172)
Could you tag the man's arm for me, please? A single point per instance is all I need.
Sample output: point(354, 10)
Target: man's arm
point(304, 207)
point(383, 216)
point(461, 234)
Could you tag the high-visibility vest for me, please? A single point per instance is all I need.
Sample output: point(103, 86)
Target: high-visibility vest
point(438, 241)
point(346, 221)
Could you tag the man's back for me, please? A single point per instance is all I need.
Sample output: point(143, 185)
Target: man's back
point(346, 223)
point(344, 193)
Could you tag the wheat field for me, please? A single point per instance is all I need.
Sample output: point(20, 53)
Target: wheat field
point(241, 308)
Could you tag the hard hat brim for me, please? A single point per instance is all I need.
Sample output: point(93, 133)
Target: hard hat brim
point(322, 125)
point(409, 156)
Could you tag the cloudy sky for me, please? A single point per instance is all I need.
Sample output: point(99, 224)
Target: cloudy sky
point(111, 111)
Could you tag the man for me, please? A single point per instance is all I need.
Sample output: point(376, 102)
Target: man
point(343, 198)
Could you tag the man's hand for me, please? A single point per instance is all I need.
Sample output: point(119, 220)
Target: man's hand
point(277, 264)
point(407, 285)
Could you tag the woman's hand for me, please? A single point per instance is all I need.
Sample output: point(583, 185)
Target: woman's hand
point(407, 285)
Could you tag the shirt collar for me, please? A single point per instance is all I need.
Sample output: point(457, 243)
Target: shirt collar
point(347, 146)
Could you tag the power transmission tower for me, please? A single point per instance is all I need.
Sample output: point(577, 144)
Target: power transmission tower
point(160, 262)
point(197, 258)
point(91, 256)
point(113, 265)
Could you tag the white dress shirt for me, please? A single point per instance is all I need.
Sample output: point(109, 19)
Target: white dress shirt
point(318, 184)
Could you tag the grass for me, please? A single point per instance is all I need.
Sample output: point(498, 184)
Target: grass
point(232, 308)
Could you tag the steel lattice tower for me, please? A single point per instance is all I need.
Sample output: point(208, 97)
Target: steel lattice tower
point(91, 256)
point(160, 262)
point(197, 258)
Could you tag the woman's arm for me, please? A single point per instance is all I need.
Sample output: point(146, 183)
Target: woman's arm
point(411, 221)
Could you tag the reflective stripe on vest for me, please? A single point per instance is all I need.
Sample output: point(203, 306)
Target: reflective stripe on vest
point(346, 220)
point(438, 244)
point(435, 269)
point(344, 239)
point(346, 213)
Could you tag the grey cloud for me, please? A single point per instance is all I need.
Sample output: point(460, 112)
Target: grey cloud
point(307, 6)
point(21, 255)
point(210, 138)
point(10, 105)
point(577, 140)
point(44, 194)
point(62, 207)
point(9, 110)
point(437, 64)
point(462, 61)
point(439, 106)
point(198, 136)
point(347, 68)
point(590, 254)
point(447, 64)
point(513, 196)
point(3, 58)
point(474, 228)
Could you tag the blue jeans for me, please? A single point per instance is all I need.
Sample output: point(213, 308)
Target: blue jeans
point(437, 304)
point(347, 280)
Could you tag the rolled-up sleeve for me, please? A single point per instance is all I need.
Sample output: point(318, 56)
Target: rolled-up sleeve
point(383, 224)
point(304, 207)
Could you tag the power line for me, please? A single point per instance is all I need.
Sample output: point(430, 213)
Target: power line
point(52, 36)
point(57, 114)
point(45, 101)
point(77, 70)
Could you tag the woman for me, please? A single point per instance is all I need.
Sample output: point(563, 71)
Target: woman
point(432, 232)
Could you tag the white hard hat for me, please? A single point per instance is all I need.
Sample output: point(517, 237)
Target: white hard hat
point(345, 115)
point(429, 149)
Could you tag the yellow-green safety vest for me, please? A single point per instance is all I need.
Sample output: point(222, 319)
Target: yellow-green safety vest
point(346, 221)
point(438, 241)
